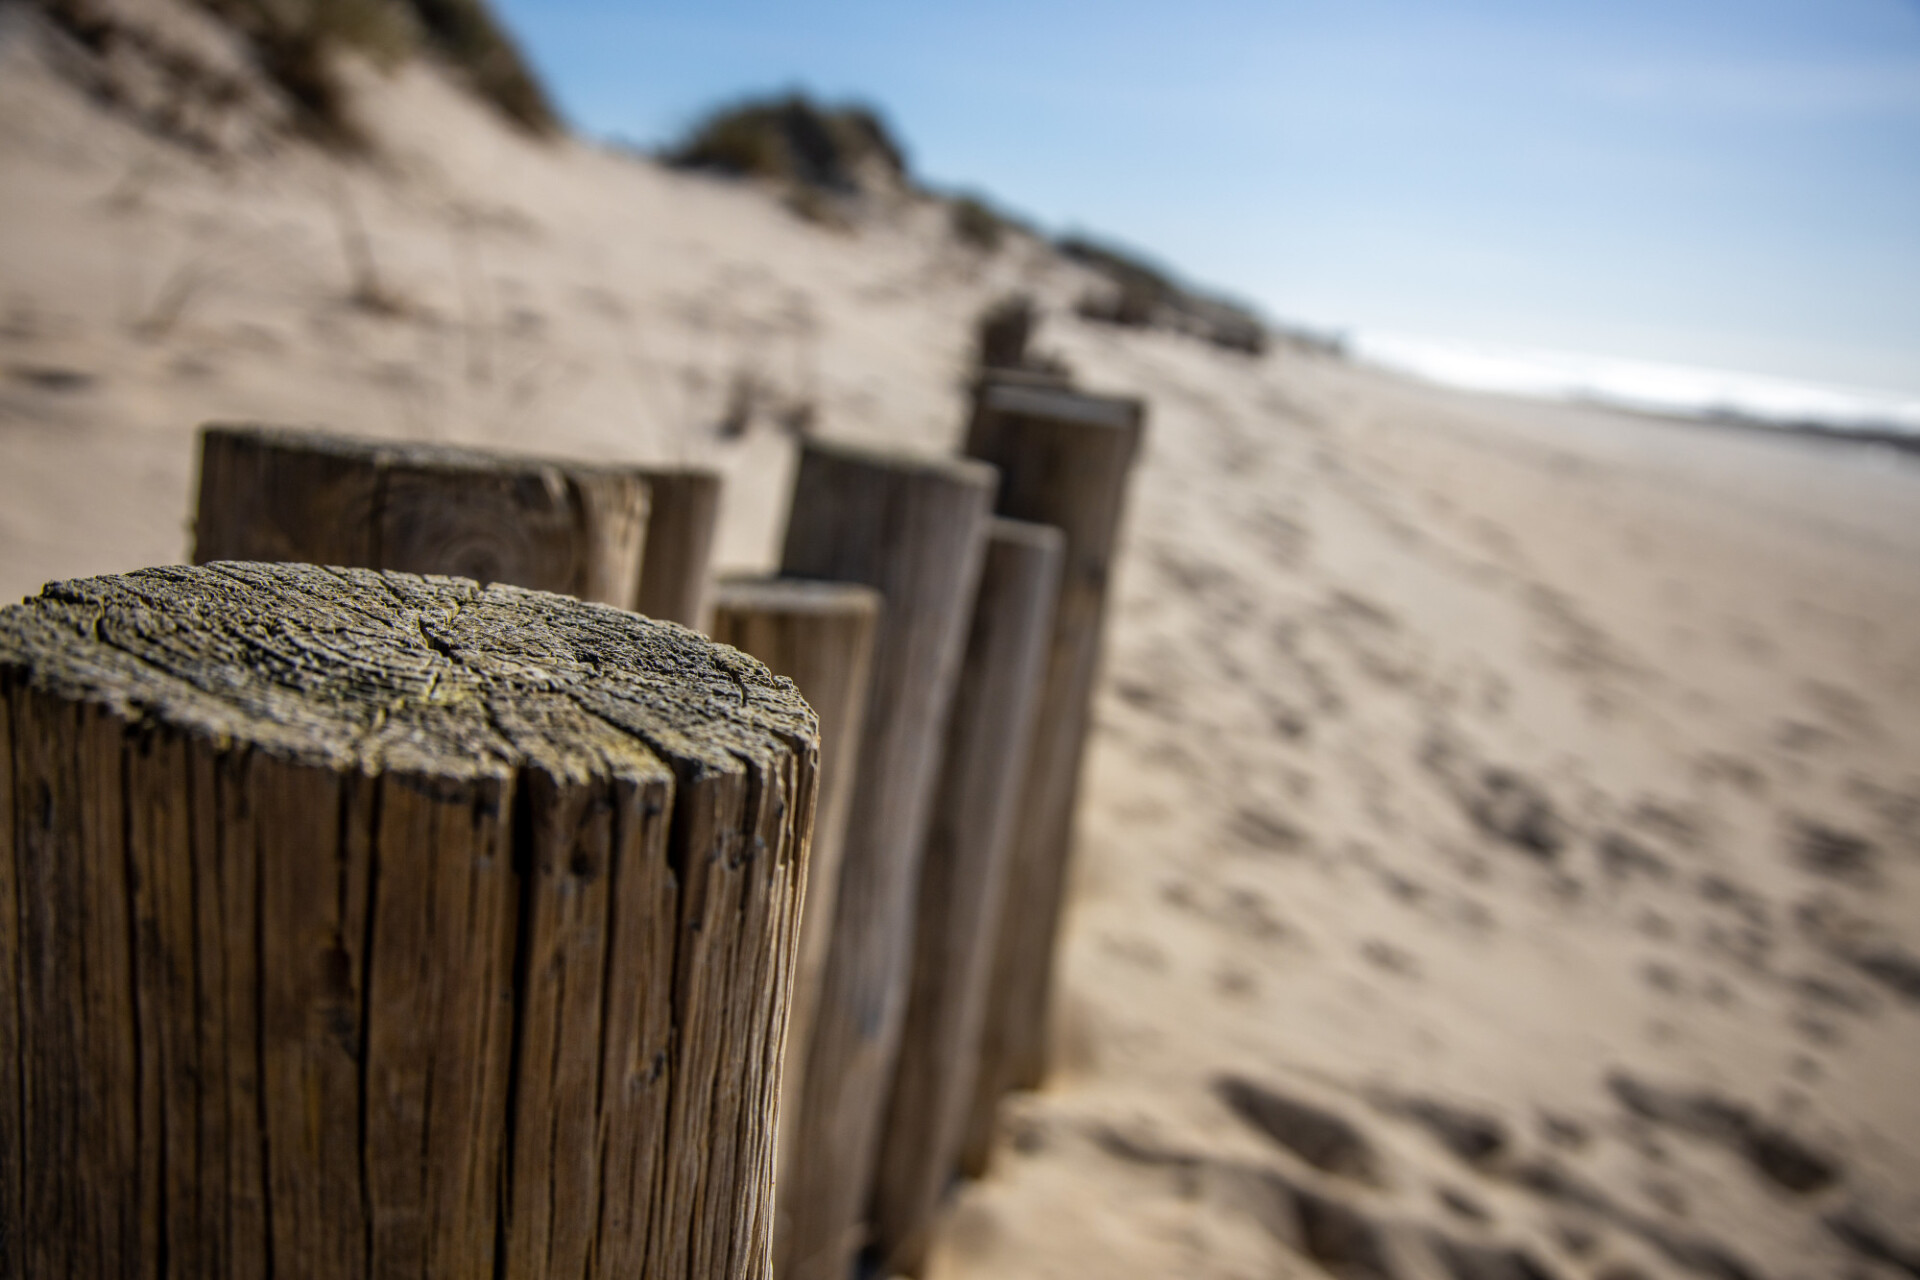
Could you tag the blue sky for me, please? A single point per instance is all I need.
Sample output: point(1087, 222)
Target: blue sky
point(1734, 183)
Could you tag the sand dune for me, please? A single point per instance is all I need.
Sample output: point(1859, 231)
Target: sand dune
point(1501, 855)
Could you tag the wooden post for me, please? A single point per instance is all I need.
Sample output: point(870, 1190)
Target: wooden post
point(680, 535)
point(371, 924)
point(1064, 459)
point(962, 882)
point(571, 527)
point(1002, 332)
point(915, 529)
point(819, 635)
point(1043, 379)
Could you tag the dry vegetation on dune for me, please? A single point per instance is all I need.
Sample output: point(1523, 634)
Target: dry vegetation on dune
point(847, 150)
point(1501, 848)
point(828, 160)
point(294, 46)
point(1142, 295)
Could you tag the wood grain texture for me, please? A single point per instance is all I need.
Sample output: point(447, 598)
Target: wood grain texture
point(675, 575)
point(915, 530)
point(275, 495)
point(380, 925)
point(962, 884)
point(819, 635)
point(12, 1122)
point(1064, 459)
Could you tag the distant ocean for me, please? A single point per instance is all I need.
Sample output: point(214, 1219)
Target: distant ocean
point(1647, 386)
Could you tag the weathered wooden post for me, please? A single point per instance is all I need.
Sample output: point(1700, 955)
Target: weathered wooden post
point(1002, 332)
point(279, 495)
point(371, 924)
point(680, 535)
point(962, 882)
point(915, 529)
point(819, 635)
point(1042, 379)
point(1064, 458)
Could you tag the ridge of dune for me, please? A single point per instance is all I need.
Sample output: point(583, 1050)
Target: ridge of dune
point(1501, 843)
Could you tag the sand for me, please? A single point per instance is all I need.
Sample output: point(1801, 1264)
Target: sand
point(1501, 846)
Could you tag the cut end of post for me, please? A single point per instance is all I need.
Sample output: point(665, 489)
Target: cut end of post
point(1060, 404)
point(904, 462)
point(280, 494)
point(359, 669)
point(806, 597)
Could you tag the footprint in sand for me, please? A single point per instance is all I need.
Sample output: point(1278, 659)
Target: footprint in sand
point(1260, 830)
point(1246, 912)
point(1563, 1131)
point(1461, 1205)
point(1839, 997)
point(1663, 977)
point(1389, 958)
point(1322, 1138)
point(50, 395)
point(1346, 1237)
point(1572, 639)
point(1674, 822)
point(1654, 925)
point(1798, 737)
point(1832, 853)
point(1284, 538)
point(51, 379)
point(1236, 983)
point(1869, 1240)
point(1861, 943)
point(1769, 1150)
point(1625, 859)
point(1373, 638)
point(1842, 710)
point(1217, 590)
point(1151, 698)
point(1742, 775)
point(1286, 719)
point(1473, 1137)
point(1695, 1254)
point(1504, 803)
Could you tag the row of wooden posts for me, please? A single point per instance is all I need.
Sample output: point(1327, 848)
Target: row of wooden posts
point(577, 843)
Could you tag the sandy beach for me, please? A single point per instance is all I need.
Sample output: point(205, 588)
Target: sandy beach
point(1501, 844)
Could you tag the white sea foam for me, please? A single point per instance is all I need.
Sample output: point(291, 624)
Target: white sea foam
point(1640, 384)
